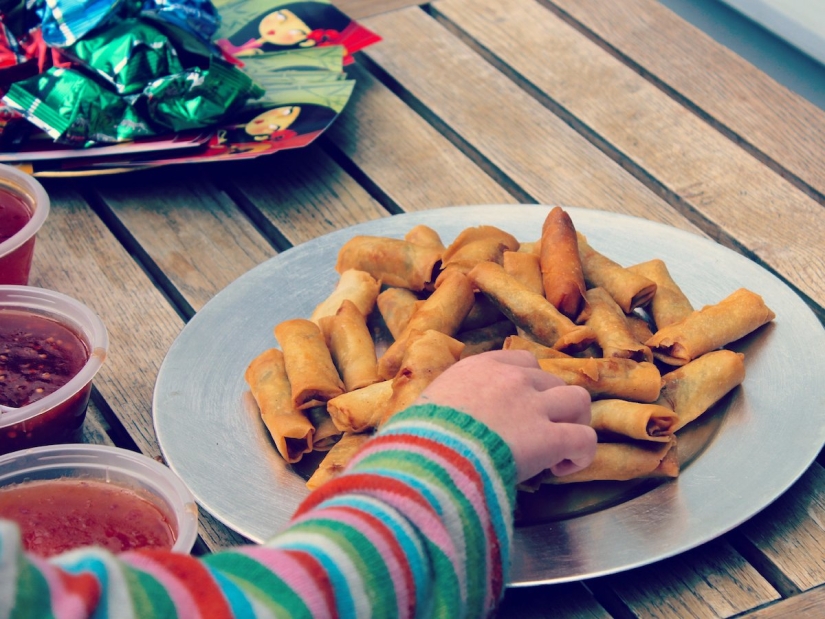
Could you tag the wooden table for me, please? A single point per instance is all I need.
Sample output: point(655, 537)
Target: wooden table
point(619, 106)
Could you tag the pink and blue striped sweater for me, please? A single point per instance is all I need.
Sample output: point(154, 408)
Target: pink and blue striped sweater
point(419, 525)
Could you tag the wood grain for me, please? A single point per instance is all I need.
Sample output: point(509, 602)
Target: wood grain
point(808, 604)
point(303, 194)
point(532, 146)
point(791, 531)
point(191, 230)
point(715, 177)
point(757, 109)
point(710, 581)
point(359, 9)
point(407, 159)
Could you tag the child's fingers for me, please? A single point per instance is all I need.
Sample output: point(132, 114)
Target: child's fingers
point(574, 447)
point(566, 404)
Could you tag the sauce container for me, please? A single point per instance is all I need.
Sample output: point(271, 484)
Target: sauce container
point(24, 205)
point(162, 493)
point(56, 417)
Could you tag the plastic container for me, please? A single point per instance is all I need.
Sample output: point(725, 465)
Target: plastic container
point(16, 251)
point(149, 479)
point(57, 417)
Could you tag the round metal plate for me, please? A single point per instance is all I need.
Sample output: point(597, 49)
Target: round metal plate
point(765, 434)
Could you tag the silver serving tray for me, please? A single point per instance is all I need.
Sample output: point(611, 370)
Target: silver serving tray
point(756, 443)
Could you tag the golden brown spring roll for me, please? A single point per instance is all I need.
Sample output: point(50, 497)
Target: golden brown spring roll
point(647, 422)
point(337, 459)
point(693, 388)
point(525, 268)
point(529, 310)
point(627, 288)
point(392, 261)
point(350, 343)
point(326, 434)
point(424, 236)
point(487, 338)
point(710, 328)
point(362, 409)
point(639, 327)
point(625, 461)
point(396, 306)
point(427, 356)
point(358, 286)
point(309, 367)
point(561, 266)
point(482, 314)
point(669, 305)
point(529, 247)
point(609, 378)
point(474, 245)
point(540, 351)
point(444, 311)
point(289, 427)
point(611, 327)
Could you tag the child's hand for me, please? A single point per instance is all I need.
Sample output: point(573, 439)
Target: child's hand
point(544, 421)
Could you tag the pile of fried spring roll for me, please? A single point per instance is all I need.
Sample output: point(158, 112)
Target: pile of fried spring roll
point(651, 362)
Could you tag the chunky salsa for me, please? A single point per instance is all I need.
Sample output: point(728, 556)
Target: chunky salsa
point(14, 215)
point(38, 355)
point(58, 515)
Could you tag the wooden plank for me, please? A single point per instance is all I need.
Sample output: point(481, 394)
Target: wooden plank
point(77, 255)
point(544, 156)
point(787, 128)
point(359, 9)
point(712, 580)
point(808, 604)
point(190, 229)
point(791, 532)
point(303, 194)
point(743, 198)
point(568, 601)
point(95, 428)
point(410, 162)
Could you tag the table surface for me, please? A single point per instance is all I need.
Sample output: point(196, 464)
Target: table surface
point(618, 106)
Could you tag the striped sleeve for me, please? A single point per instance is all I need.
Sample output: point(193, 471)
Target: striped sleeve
point(419, 525)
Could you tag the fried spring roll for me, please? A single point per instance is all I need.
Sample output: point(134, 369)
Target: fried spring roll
point(608, 378)
point(362, 409)
point(444, 311)
point(627, 288)
point(647, 422)
point(424, 236)
point(693, 388)
point(611, 327)
point(350, 342)
point(710, 328)
point(392, 261)
point(290, 429)
point(396, 306)
point(309, 367)
point(669, 305)
point(482, 314)
point(427, 356)
point(358, 286)
point(529, 310)
point(474, 245)
point(486, 338)
point(326, 434)
point(524, 268)
point(540, 351)
point(337, 459)
point(639, 327)
point(625, 461)
point(561, 265)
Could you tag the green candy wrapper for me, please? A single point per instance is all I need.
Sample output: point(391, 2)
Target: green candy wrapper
point(74, 109)
point(128, 54)
point(197, 98)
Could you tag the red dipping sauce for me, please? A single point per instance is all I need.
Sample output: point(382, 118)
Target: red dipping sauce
point(14, 215)
point(58, 515)
point(38, 356)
